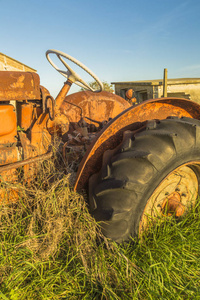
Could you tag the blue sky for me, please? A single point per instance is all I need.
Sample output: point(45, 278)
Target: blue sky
point(119, 40)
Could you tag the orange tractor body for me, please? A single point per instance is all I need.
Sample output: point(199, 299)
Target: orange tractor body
point(96, 121)
point(29, 118)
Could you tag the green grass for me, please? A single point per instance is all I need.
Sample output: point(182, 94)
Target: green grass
point(51, 248)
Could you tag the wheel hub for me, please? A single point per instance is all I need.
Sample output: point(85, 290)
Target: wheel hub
point(172, 205)
point(174, 196)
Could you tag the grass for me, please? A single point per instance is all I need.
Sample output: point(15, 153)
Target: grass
point(51, 248)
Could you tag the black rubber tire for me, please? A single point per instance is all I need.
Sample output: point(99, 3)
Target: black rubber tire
point(119, 193)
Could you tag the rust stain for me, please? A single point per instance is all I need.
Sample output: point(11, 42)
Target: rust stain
point(19, 83)
point(8, 155)
point(19, 86)
point(96, 106)
point(172, 205)
point(8, 196)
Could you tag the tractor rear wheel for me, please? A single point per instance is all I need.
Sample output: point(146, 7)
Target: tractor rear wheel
point(153, 173)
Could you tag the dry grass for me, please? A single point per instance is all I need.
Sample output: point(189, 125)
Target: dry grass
point(51, 248)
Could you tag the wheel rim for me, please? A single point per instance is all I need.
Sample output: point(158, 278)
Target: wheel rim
point(175, 195)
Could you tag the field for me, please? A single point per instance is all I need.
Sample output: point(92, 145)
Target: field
point(51, 248)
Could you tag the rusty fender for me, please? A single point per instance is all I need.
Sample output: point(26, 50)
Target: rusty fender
point(132, 118)
point(96, 106)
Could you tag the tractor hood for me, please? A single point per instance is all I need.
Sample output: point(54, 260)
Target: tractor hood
point(19, 86)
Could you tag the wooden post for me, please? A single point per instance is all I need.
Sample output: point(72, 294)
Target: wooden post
point(165, 83)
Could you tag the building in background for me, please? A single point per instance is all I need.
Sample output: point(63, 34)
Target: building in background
point(10, 64)
point(188, 88)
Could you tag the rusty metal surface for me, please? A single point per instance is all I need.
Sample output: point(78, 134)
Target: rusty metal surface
point(62, 94)
point(40, 138)
point(10, 195)
point(35, 143)
point(60, 122)
point(44, 94)
point(26, 162)
point(132, 119)
point(96, 106)
point(8, 155)
point(25, 115)
point(78, 139)
point(8, 128)
point(172, 205)
point(19, 86)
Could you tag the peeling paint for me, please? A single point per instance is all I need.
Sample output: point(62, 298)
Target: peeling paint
point(19, 86)
point(19, 83)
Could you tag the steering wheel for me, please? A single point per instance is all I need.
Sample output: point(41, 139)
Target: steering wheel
point(71, 74)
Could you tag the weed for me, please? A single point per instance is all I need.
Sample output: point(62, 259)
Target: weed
point(51, 248)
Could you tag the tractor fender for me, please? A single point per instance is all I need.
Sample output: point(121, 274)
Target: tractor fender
point(96, 106)
point(133, 118)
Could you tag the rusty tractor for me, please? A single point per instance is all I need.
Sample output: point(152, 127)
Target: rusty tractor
point(140, 162)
